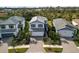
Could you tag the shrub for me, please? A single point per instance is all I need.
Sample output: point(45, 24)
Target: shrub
point(18, 50)
point(57, 50)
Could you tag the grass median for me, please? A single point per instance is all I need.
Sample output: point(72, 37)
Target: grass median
point(56, 50)
point(18, 50)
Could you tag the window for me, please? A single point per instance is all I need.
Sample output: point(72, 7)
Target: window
point(32, 25)
point(11, 26)
point(2, 26)
point(40, 25)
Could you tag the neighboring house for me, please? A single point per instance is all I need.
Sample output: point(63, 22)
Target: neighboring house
point(38, 26)
point(11, 26)
point(64, 28)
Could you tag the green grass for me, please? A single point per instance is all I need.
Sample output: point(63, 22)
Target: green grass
point(56, 50)
point(18, 50)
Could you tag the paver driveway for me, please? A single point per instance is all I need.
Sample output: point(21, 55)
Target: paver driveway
point(69, 46)
point(36, 48)
point(4, 48)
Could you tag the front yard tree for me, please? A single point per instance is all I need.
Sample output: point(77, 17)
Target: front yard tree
point(14, 43)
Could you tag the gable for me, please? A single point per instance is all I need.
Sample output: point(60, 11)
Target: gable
point(37, 22)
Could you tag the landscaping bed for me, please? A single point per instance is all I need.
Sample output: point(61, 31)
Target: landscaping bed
point(76, 42)
point(56, 50)
point(18, 50)
point(48, 41)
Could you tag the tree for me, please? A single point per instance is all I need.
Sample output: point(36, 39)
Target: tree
point(14, 43)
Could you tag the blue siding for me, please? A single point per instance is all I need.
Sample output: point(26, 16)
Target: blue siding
point(7, 30)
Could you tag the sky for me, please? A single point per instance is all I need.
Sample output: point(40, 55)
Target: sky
point(38, 3)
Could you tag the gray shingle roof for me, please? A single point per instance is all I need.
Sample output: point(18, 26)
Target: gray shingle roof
point(61, 23)
point(38, 18)
point(6, 22)
point(16, 18)
point(11, 20)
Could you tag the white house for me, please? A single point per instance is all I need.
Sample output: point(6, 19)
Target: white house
point(10, 26)
point(38, 26)
point(64, 28)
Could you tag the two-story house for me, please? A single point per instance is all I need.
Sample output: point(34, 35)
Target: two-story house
point(38, 26)
point(11, 26)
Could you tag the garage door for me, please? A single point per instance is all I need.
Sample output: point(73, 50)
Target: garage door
point(7, 35)
point(66, 33)
point(37, 33)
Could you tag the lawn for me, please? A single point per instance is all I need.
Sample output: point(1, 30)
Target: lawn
point(56, 50)
point(18, 50)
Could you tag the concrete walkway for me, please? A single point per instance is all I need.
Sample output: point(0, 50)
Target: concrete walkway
point(36, 48)
point(4, 48)
point(69, 46)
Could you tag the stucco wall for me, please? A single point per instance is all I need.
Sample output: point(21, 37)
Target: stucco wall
point(66, 33)
point(37, 33)
point(36, 23)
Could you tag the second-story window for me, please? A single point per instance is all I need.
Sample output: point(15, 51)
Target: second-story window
point(2, 26)
point(11, 26)
point(40, 25)
point(32, 25)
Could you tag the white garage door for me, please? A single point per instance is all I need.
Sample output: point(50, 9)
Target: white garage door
point(37, 33)
point(66, 33)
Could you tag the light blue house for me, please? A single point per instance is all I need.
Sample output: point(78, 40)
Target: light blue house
point(64, 28)
point(10, 26)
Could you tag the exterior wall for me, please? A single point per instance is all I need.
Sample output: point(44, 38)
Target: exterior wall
point(36, 23)
point(66, 33)
point(7, 28)
point(37, 33)
point(23, 24)
point(16, 26)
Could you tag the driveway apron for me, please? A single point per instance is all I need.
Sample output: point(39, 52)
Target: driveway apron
point(4, 48)
point(69, 46)
point(36, 48)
